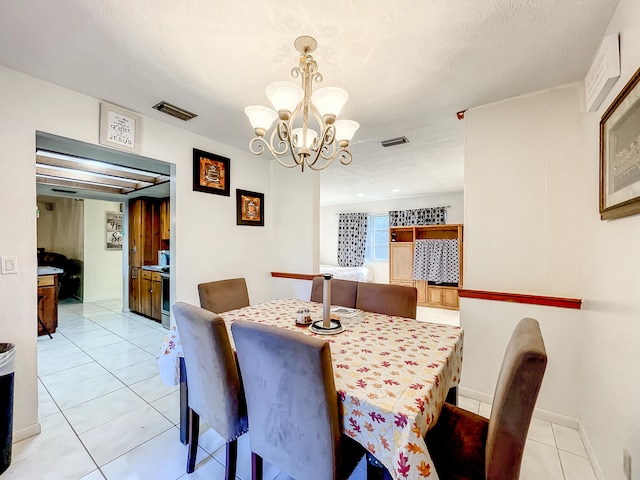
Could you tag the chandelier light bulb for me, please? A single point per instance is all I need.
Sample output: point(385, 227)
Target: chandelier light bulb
point(329, 101)
point(346, 129)
point(284, 96)
point(261, 118)
point(297, 138)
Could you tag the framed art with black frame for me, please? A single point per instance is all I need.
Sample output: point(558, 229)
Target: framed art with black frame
point(249, 208)
point(620, 154)
point(211, 173)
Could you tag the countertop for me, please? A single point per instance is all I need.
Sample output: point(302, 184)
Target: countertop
point(49, 271)
point(156, 268)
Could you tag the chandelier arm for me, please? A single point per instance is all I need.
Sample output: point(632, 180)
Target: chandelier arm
point(345, 157)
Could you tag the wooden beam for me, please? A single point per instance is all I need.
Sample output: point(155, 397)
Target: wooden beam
point(89, 178)
point(80, 186)
point(84, 166)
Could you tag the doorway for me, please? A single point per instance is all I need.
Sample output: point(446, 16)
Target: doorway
point(89, 185)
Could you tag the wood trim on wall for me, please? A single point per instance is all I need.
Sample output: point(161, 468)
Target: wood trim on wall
point(295, 276)
point(560, 302)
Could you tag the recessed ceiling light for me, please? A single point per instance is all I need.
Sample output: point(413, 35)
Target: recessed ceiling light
point(361, 194)
point(395, 190)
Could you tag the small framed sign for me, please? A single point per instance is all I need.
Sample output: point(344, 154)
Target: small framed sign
point(114, 231)
point(119, 128)
point(249, 208)
point(211, 173)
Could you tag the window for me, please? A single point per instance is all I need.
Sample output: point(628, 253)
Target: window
point(377, 238)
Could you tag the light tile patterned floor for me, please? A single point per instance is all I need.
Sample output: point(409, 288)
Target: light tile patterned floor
point(105, 414)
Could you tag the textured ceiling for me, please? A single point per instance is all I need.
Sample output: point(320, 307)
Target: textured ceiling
point(408, 65)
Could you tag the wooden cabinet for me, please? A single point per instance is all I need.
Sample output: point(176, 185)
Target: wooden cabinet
point(401, 253)
point(48, 304)
point(148, 233)
point(151, 295)
point(165, 220)
point(134, 288)
point(156, 296)
point(401, 263)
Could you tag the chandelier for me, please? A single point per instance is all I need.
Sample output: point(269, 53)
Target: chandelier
point(295, 107)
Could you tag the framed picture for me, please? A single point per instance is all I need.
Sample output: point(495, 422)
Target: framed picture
point(620, 154)
point(249, 208)
point(210, 173)
point(114, 230)
point(119, 128)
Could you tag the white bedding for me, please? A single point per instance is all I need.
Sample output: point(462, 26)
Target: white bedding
point(359, 274)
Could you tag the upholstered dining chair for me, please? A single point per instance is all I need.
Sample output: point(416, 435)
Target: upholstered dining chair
point(343, 292)
point(387, 299)
point(224, 295)
point(215, 389)
point(466, 446)
point(292, 404)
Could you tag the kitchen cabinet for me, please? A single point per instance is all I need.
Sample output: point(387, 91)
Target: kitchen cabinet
point(48, 304)
point(165, 220)
point(148, 233)
point(134, 288)
point(150, 294)
point(401, 252)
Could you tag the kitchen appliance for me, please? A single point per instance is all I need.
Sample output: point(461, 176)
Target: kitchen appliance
point(164, 258)
point(165, 299)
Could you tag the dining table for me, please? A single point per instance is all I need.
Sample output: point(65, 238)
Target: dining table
point(392, 375)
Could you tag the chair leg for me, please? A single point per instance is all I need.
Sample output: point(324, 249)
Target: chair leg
point(194, 432)
point(232, 460)
point(184, 404)
point(256, 466)
point(452, 396)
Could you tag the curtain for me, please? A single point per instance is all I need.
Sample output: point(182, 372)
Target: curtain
point(352, 238)
point(436, 260)
point(417, 216)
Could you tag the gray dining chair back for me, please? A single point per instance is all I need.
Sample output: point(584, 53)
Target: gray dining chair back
point(466, 446)
point(517, 389)
point(343, 292)
point(292, 403)
point(224, 295)
point(396, 300)
point(215, 391)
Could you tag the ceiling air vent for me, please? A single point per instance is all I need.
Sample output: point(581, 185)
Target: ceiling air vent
point(174, 111)
point(394, 141)
point(63, 191)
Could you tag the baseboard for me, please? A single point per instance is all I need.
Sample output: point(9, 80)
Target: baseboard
point(538, 412)
point(482, 397)
point(26, 432)
point(590, 452)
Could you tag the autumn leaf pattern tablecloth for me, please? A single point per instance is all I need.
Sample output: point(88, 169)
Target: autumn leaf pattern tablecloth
point(392, 375)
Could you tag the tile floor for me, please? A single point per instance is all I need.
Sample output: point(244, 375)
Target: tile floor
point(105, 414)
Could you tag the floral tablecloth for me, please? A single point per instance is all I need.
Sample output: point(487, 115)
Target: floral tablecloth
point(392, 375)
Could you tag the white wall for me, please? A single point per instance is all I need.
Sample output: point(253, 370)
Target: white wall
point(532, 226)
point(522, 233)
point(102, 276)
point(206, 242)
point(294, 210)
point(329, 223)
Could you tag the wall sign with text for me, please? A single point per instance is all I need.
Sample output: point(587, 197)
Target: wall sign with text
point(119, 128)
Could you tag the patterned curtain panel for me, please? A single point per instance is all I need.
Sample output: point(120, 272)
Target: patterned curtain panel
point(417, 216)
point(436, 260)
point(352, 239)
